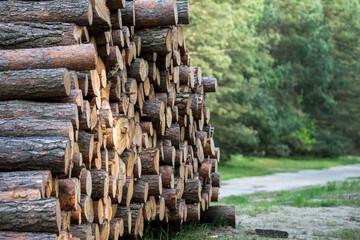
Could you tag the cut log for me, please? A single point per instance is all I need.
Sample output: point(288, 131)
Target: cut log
point(141, 192)
point(83, 232)
point(87, 207)
point(222, 215)
point(34, 84)
point(167, 176)
point(100, 183)
point(17, 35)
point(125, 214)
point(139, 70)
point(35, 154)
point(205, 170)
point(183, 102)
point(79, 12)
point(154, 182)
point(115, 228)
point(115, 4)
point(33, 216)
point(152, 13)
point(58, 111)
point(173, 134)
point(27, 236)
point(183, 11)
point(216, 179)
point(128, 14)
point(86, 182)
point(150, 161)
point(86, 146)
point(155, 40)
point(128, 189)
point(169, 156)
point(77, 57)
point(192, 191)
point(69, 193)
point(98, 211)
point(153, 110)
point(20, 195)
point(169, 194)
point(209, 84)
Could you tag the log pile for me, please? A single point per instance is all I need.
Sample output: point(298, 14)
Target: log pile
point(103, 120)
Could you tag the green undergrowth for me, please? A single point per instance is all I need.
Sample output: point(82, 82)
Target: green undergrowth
point(345, 193)
point(239, 166)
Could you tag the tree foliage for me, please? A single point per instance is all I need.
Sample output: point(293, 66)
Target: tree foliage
point(288, 74)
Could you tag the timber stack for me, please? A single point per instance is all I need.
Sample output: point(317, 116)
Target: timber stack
point(103, 120)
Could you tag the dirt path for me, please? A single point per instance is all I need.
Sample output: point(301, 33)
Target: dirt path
point(287, 181)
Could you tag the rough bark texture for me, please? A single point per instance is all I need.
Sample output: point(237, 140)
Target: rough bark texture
point(86, 146)
point(128, 189)
point(51, 153)
point(141, 191)
point(169, 156)
point(183, 102)
point(100, 183)
point(183, 11)
point(216, 179)
point(69, 193)
point(116, 4)
point(83, 232)
point(138, 70)
point(125, 214)
point(155, 184)
point(169, 194)
point(173, 134)
point(27, 236)
point(155, 40)
point(192, 191)
point(153, 13)
point(77, 57)
point(225, 215)
point(153, 110)
point(78, 12)
point(32, 127)
point(167, 176)
point(34, 35)
point(193, 212)
point(128, 14)
point(209, 84)
point(31, 216)
point(149, 161)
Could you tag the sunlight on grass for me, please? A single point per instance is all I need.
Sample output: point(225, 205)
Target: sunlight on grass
point(239, 166)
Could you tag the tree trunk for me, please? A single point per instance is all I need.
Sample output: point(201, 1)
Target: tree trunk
point(32, 216)
point(224, 215)
point(59, 111)
point(149, 161)
point(34, 35)
point(100, 183)
point(141, 192)
point(27, 236)
point(167, 176)
point(69, 193)
point(79, 12)
point(77, 57)
point(153, 13)
point(155, 184)
point(192, 191)
point(35, 154)
point(155, 40)
point(183, 11)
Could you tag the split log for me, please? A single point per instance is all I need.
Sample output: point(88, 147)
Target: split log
point(224, 215)
point(100, 183)
point(141, 192)
point(35, 153)
point(33, 216)
point(152, 13)
point(79, 12)
point(58, 111)
point(192, 191)
point(76, 57)
point(34, 84)
point(83, 232)
point(155, 40)
point(154, 182)
point(69, 193)
point(167, 176)
point(150, 161)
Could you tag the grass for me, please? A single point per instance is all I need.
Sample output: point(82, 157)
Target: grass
point(239, 166)
point(346, 193)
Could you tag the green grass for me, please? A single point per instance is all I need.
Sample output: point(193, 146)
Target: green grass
point(239, 166)
point(346, 193)
point(346, 234)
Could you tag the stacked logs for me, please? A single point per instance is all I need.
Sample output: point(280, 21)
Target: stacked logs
point(103, 120)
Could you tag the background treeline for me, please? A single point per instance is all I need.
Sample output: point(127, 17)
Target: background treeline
point(288, 71)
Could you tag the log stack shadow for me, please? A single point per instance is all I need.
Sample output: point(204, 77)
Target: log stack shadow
point(103, 120)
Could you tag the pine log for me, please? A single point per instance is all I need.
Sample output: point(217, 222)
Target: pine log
point(83, 232)
point(31, 127)
point(139, 70)
point(128, 189)
point(155, 40)
point(169, 156)
point(58, 111)
point(77, 57)
point(154, 182)
point(95, 231)
point(100, 183)
point(17, 35)
point(153, 110)
point(86, 182)
point(116, 226)
point(183, 11)
point(52, 153)
point(169, 194)
point(215, 194)
point(79, 12)
point(75, 216)
point(69, 193)
point(173, 134)
point(192, 191)
point(128, 14)
point(183, 102)
point(27, 236)
point(34, 84)
point(216, 179)
point(128, 157)
point(131, 89)
point(86, 146)
point(116, 19)
point(87, 207)
point(167, 176)
point(224, 215)
point(152, 13)
point(33, 216)
point(209, 84)
point(20, 195)
point(205, 170)
point(98, 211)
point(125, 214)
point(141, 192)
point(115, 4)
point(150, 161)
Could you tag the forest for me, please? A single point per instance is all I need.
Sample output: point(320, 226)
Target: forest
point(288, 74)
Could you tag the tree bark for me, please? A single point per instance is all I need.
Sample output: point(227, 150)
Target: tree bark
point(115, 226)
point(155, 40)
point(52, 153)
point(141, 192)
point(125, 214)
point(183, 102)
point(69, 193)
point(183, 11)
point(169, 156)
point(32, 216)
point(100, 183)
point(167, 176)
point(153, 13)
point(173, 134)
point(155, 184)
point(169, 194)
point(153, 110)
point(192, 191)
point(87, 206)
point(224, 215)
point(205, 170)
point(32, 127)
point(216, 179)
point(77, 57)
point(149, 161)
point(79, 12)
point(128, 14)
point(128, 189)
point(27, 236)
point(139, 70)
point(116, 4)
point(83, 232)
point(34, 35)
point(209, 84)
